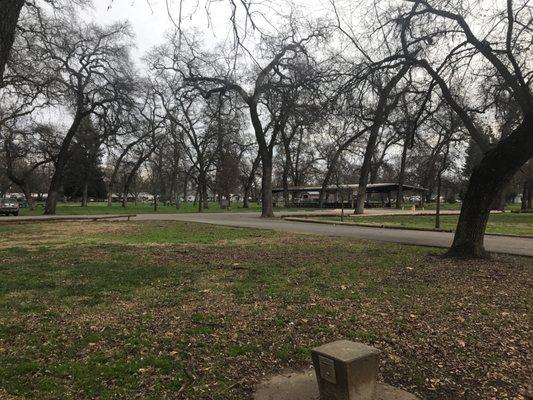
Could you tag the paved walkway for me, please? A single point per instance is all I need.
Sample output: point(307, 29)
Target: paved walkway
point(498, 244)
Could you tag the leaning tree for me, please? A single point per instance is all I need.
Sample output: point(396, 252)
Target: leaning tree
point(448, 41)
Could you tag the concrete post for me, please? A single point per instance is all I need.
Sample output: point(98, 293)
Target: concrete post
point(346, 370)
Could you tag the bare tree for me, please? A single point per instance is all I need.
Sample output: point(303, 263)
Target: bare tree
point(383, 108)
point(265, 77)
point(502, 53)
point(24, 155)
point(92, 69)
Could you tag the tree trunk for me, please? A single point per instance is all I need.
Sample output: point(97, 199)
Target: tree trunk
point(8, 25)
point(245, 201)
point(206, 197)
point(486, 183)
point(381, 114)
point(84, 196)
point(365, 170)
point(324, 189)
point(437, 211)
point(267, 210)
point(200, 194)
point(185, 189)
point(202, 190)
point(286, 171)
point(331, 167)
point(111, 185)
point(177, 199)
point(265, 152)
point(27, 195)
point(200, 198)
point(499, 201)
point(285, 179)
point(249, 182)
point(401, 176)
point(525, 195)
point(61, 162)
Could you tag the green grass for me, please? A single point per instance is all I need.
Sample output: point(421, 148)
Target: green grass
point(100, 208)
point(120, 310)
point(455, 206)
point(504, 223)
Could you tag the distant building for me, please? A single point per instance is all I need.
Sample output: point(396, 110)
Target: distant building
point(378, 194)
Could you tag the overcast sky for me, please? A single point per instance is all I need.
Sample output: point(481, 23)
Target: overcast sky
point(150, 19)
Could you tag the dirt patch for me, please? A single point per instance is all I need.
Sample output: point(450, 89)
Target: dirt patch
point(59, 233)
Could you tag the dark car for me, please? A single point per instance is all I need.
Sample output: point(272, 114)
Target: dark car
point(9, 206)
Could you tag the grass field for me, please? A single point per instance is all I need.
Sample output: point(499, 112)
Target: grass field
point(166, 310)
point(505, 223)
point(141, 208)
point(101, 208)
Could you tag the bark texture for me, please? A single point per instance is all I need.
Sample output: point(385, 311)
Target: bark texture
point(9, 16)
point(486, 183)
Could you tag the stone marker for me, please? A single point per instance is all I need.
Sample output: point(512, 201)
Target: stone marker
point(346, 370)
point(342, 370)
point(303, 386)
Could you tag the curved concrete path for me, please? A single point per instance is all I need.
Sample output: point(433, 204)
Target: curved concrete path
point(497, 244)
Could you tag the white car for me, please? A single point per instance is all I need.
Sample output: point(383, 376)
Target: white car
point(9, 206)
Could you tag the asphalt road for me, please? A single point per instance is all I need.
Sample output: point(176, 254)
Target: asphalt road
point(497, 244)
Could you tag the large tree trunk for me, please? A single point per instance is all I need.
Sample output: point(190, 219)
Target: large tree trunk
point(9, 16)
point(499, 201)
point(202, 189)
point(486, 183)
point(267, 210)
point(265, 152)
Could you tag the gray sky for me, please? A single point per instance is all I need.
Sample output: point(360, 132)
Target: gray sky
point(150, 19)
point(148, 23)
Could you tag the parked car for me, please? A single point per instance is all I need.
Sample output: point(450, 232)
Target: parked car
point(9, 206)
